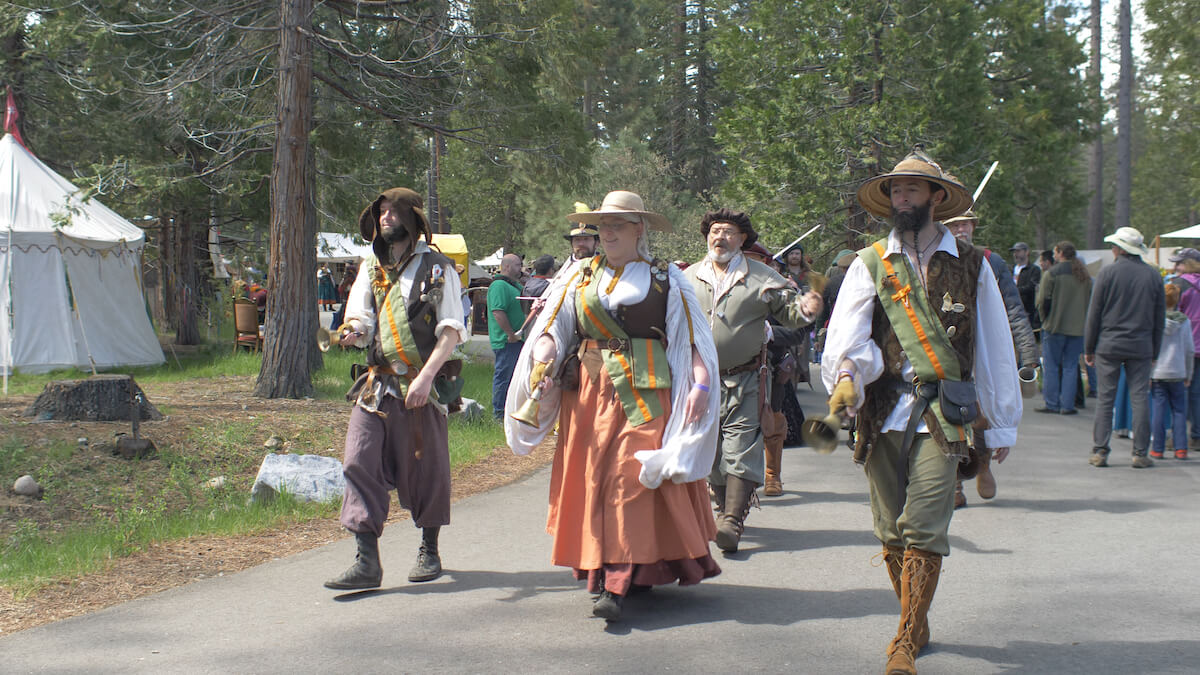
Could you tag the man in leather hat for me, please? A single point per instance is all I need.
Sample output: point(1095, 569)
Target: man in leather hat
point(919, 318)
point(404, 308)
point(737, 295)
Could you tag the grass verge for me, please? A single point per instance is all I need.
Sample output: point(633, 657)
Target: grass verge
point(98, 508)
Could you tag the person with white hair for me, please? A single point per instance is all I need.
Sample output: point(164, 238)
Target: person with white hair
point(625, 363)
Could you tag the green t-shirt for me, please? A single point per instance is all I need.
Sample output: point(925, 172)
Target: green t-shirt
point(502, 295)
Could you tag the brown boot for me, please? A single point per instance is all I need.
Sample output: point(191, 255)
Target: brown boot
point(960, 497)
point(893, 557)
point(918, 583)
point(773, 487)
point(732, 522)
point(985, 482)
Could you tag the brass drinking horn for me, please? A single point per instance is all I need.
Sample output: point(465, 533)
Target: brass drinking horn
point(327, 339)
point(822, 434)
point(527, 414)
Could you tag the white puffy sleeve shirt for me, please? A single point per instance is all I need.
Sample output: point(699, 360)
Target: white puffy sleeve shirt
point(995, 370)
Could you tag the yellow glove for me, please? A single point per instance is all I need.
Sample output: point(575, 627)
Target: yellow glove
point(537, 374)
point(844, 396)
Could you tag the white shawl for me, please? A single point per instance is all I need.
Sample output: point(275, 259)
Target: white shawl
point(688, 452)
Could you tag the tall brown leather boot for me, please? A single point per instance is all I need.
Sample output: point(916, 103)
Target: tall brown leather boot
point(918, 583)
point(773, 487)
point(985, 482)
point(732, 522)
point(893, 557)
point(960, 497)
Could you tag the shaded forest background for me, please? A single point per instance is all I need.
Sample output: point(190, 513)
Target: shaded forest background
point(273, 119)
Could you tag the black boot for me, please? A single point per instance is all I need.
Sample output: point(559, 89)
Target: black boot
point(366, 571)
point(731, 523)
point(608, 606)
point(429, 565)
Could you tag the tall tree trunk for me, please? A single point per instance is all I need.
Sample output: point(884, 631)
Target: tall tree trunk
point(1124, 117)
point(290, 352)
point(1095, 221)
point(187, 290)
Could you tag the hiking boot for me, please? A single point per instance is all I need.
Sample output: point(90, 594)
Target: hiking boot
point(731, 524)
point(1142, 462)
point(1181, 454)
point(1099, 458)
point(428, 567)
point(608, 606)
point(366, 571)
point(1156, 454)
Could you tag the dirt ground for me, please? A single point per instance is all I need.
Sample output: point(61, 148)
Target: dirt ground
point(193, 405)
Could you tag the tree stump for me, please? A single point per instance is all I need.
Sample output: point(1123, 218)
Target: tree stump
point(102, 398)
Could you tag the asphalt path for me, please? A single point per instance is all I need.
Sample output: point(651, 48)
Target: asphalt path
point(1071, 569)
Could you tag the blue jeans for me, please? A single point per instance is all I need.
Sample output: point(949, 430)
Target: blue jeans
point(1173, 397)
point(1194, 402)
point(506, 361)
point(1060, 361)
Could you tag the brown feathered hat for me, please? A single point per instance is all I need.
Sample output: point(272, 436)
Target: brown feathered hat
point(412, 217)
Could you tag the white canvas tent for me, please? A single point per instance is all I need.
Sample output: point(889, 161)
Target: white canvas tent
point(333, 247)
point(1192, 232)
point(70, 283)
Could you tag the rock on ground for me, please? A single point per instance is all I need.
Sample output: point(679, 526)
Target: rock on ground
point(310, 478)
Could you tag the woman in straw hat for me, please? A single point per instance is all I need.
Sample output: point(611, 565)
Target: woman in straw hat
point(628, 503)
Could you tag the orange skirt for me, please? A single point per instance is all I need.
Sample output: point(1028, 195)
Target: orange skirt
point(599, 512)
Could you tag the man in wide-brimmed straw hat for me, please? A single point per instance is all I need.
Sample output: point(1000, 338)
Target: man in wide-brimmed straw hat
point(919, 320)
point(404, 308)
point(1019, 322)
point(738, 295)
point(1125, 323)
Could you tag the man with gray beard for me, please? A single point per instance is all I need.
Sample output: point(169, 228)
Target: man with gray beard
point(737, 294)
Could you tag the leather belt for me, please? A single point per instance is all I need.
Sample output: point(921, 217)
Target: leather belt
point(752, 364)
point(612, 344)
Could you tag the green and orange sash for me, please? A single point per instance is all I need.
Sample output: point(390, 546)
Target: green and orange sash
point(395, 333)
point(912, 317)
point(637, 369)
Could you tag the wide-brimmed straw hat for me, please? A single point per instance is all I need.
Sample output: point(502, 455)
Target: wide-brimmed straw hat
point(966, 215)
point(1129, 239)
point(875, 194)
point(623, 203)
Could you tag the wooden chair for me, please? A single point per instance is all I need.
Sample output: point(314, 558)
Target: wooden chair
point(245, 325)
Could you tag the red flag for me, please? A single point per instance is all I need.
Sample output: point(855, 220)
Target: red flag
point(11, 115)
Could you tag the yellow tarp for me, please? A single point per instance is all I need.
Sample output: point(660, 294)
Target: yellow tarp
point(454, 247)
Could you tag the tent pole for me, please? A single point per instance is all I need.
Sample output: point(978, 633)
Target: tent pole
point(8, 311)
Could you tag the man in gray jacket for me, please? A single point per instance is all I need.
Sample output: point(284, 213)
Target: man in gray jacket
point(1124, 328)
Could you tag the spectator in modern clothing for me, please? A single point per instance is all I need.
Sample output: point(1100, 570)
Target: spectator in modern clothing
point(543, 271)
point(505, 316)
point(1027, 276)
point(1187, 265)
point(1128, 297)
point(1062, 301)
point(1170, 379)
point(1046, 261)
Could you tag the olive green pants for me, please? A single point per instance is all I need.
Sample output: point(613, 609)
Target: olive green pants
point(912, 511)
point(740, 444)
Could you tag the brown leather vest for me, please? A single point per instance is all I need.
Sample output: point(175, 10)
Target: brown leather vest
point(647, 318)
point(946, 274)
